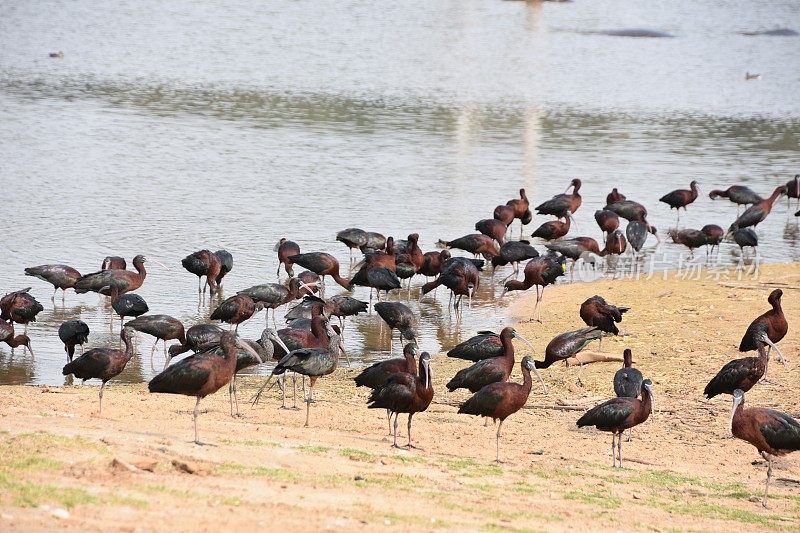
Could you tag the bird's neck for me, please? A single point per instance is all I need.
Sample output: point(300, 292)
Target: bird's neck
point(411, 364)
point(128, 347)
point(647, 404)
point(508, 347)
point(527, 380)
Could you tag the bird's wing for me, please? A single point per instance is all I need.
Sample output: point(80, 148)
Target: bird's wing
point(781, 432)
point(484, 402)
point(609, 414)
point(184, 377)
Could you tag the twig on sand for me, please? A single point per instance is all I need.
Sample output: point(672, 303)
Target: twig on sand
point(759, 286)
point(587, 357)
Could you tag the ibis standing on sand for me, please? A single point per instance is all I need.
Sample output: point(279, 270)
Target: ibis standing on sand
point(567, 345)
point(596, 311)
point(741, 373)
point(484, 345)
point(628, 380)
point(405, 392)
point(72, 333)
point(772, 324)
point(681, 198)
point(59, 276)
point(102, 363)
point(202, 374)
point(774, 434)
point(618, 414)
point(498, 401)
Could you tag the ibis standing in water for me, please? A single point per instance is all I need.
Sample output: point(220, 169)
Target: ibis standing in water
point(596, 311)
point(618, 414)
point(129, 304)
point(286, 249)
point(72, 333)
point(615, 196)
point(554, 229)
point(226, 265)
point(714, 235)
point(162, 327)
point(405, 392)
point(769, 328)
point(197, 336)
point(114, 262)
point(541, 272)
point(20, 307)
point(202, 374)
point(236, 309)
point(7, 336)
point(738, 194)
point(321, 264)
point(514, 252)
point(353, 238)
point(607, 220)
point(114, 282)
point(102, 363)
point(793, 190)
point(637, 234)
point(498, 401)
point(681, 198)
point(756, 213)
point(561, 204)
point(204, 263)
point(746, 237)
point(460, 275)
point(59, 276)
point(400, 317)
point(774, 434)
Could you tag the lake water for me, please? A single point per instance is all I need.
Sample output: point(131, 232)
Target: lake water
point(167, 128)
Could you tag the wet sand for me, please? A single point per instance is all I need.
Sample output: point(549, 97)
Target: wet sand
point(136, 468)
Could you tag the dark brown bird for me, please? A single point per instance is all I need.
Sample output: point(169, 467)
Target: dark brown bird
point(514, 252)
point(637, 234)
point(114, 262)
point(114, 282)
point(460, 275)
point(607, 220)
point(541, 272)
point(274, 295)
point(629, 210)
point(226, 265)
point(400, 317)
point(498, 401)
point(554, 229)
point(628, 380)
point(596, 311)
point(376, 374)
point(615, 196)
point(505, 214)
point(774, 434)
point(129, 304)
point(204, 263)
point(520, 205)
point(72, 333)
point(738, 194)
point(414, 252)
point(475, 244)
point(484, 345)
point(202, 374)
point(560, 204)
point(691, 238)
point(746, 237)
point(20, 307)
point(102, 363)
point(353, 238)
point(567, 345)
point(59, 276)
point(741, 374)
point(7, 336)
point(773, 323)
point(162, 327)
point(236, 310)
point(793, 190)
point(756, 213)
point(405, 392)
point(714, 235)
point(286, 249)
point(491, 227)
point(321, 264)
point(375, 241)
point(576, 248)
point(681, 198)
point(491, 370)
point(615, 244)
point(618, 414)
point(197, 336)
point(432, 263)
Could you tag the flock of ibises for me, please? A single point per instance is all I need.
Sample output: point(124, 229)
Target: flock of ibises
point(312, 344)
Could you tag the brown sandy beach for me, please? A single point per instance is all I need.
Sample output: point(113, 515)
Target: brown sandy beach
point(136, 468)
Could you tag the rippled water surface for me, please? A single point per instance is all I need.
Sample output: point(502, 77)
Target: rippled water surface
point(168, 128)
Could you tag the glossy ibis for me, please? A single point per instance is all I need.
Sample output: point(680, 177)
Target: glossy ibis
point(345, 306)
point(514, 252)
point(745, 237)
point(554, 229)
point(114, 262)
point(129, 304)
point(375, 241)
point(493, 369)
point(615, 196)
point(484, 345)
point(413, 251)
point(576, 248)
point(162, 327)
point(772, 323)
point(203, 263)
point(59, 276)
point(560, 204)
point(741, 373)
point(774, 434)
point(309, 283)
point(738, 194)
point(376, 277)
point(7, 336)
point(226, 264)
point(628, 380)
point(491, 227)
point(629, 210)
point(202, 374)
point(114, 282)
point(405, 392)
point(607, 220)
point(353, 238)
point(520, 205)
point(567, 345)
point(312, 362)
point(376, 374)
point(400, 317)
point(637, 234)
point(433, 261)
point(236, 309)
point(500, 400)
point(681, 198)
point(596, 311)
point(756, 213)
point(541, 272)
point(475, 244)
point(793, 190)
point(618, 414)
point(505, 214)
point(102, 363)
point(691, 238)
point(274, 295)
point(286, 249)
point(71, 333)
point(196, 337)
point(460, 275)
point(380, 258)
point(714, 235)
point(615, 244)
point(20, 307)
point(321, 264)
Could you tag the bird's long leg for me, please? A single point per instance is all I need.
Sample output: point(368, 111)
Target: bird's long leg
point(63, 295)
point(294, 392)
point(619, 449)
point(409, 445)
point(389, 416)
point(199, 286)
point(151, 355)
point(278, 273)
point(101, 398)
point(194, 417)
point(53, 297)
point(394, 434)
point(283, 391)
point(308, 402)
point(600, 345)
point(230, 394)
point(769, 477)
point(497, 456)
point(613, 451)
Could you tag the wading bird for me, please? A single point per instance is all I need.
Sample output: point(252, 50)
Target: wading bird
point(20, 307)
point(756, 213)
point(59, 276)
point(681, 198)
point(567, 345)
point(560, 204)
point(162, 327)
point(236, 310)
point(72, 333)
point(541, 272)
point(204, 263)
point(7, 336)
point(286, 249)
point(399, 317)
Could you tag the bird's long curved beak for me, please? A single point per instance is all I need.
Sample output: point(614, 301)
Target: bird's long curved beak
point(28, 346)
point(156, 261)
point(652, 398)
point(526, 341)
point(427, 365)
point(503, 293)
point(308, 286)
point(281, 343)
point(736, 402)
point(574, 222)
point(246, 347)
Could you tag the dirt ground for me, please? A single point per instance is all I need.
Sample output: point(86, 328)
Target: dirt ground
point(136, 468)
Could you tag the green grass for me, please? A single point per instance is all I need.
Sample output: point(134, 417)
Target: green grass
point(251, 442)
point(357, 455)
point(719, 512)
point(237, 469)
point(602, 499)
point(316, 450)
point(472, 468)
point(26, 494)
